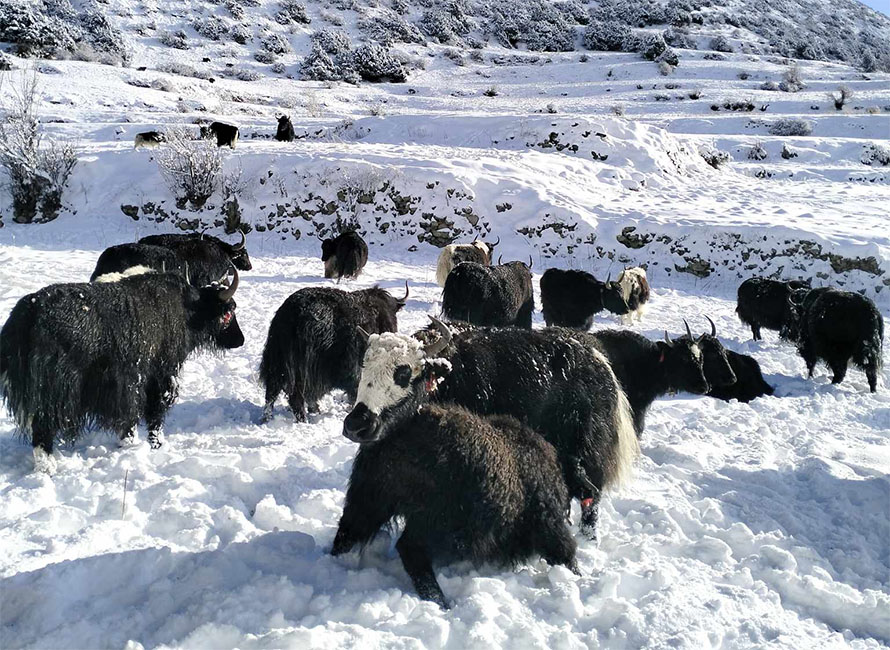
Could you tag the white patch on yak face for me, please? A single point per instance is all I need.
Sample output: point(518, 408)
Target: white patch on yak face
point(696, 352)
point(377, 387)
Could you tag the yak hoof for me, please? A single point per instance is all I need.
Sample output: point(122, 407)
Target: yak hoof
point(44, 462)
point(267, 415)
point(155, 439)
point(128, 440)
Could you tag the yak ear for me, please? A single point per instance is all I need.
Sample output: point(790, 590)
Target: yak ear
point(432, 371)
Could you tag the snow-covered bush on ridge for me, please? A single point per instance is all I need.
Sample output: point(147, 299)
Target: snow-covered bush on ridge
point(275, 43)
point(538, 24)
point(680, 38)
point(191, 168)
point(387, 27)
point(713, 156)
point(652, 46)
point(31, 32)
point(720, 44)
point(791, 80)
point(374, 62)
point(330, 58)
point(177, 40)
point(240, 33)
point(37, 167)
point(840, 97)
point(609, 36)
point(291, 12)
point(211, 27)
point(791, 126)
point(757, 152)
point(447, 22)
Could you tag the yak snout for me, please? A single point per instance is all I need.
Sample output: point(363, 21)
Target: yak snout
point(362, 425)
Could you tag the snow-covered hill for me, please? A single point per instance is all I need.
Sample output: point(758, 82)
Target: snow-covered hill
point(746, 525)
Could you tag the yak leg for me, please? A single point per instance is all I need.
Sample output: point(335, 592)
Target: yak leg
point(297, 404)
point(755, 331)
point(42, 443)
point(838, 368)
point(360, 522)
point(524, 315)
point(159, 395)
point(558, 545)
point(810, 358)
point(419, 566)
point(871, 372)
point(589, 488)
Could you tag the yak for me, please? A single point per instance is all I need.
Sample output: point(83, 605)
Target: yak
point(285, 132)
point(496, 296)
point(226, 134)
point(745, 382)
point(838, 327)
point(344, 256)
point(763, 303)
point(480, 252)
point(107, 354)
point(484, 489)
point(563, 389)
point(314, 344)
point(572, 298)
point(635, 292)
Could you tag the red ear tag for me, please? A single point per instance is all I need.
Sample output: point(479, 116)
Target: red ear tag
point(586, 503)
point(661, 358)
point(430, 384)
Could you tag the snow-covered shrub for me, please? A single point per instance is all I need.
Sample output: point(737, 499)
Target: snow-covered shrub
point(32, 33)
point(5, 62)
point(211, 27)
point(491, 91)
point(177, 39)
point(292, 11)
point(679, 38)
point(236, 9)
point(791, 80)
point(609, 36)
point(868, 62)
point(332, 41)
point(574, 11)
point(275, 43)
point(104, 37)
point(665, 68)
point(652, 46)
point(538, 24)
point(446, 23)
point(791, 126)
point(278, 67)
point(757, 152)
point(264, 56)
point(331, 17)
point(769, 85)
point(720, 44)
point(875, 154)
point(240, 33)
point(713, 156)
point(787, 153)
point(191, 168)
point(387, 27)
point(37, 168)
point(840, 97)
point(375, 63)
point(330, 59)
point(669, 57)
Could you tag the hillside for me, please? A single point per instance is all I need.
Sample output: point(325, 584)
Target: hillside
point(721, 156)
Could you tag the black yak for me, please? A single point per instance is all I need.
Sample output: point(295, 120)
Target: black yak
point(763, 303)
point(572, 298)
point(635, 291)
point(484, 489)
point(562, 388)
point(314, 344)
point(648, 369)
point(837, 327)
point(497, 296)
point(202, 257)
point(285, 132)
point(744, 383)
point(480, 252)
point(344, 256)
point(226, 134)
point(107, 354)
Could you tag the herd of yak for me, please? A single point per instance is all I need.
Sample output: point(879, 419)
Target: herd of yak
point(479, 433)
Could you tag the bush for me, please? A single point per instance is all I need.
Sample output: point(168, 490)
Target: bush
point(292, 12)
point(240, 33)
point(769, 85)
point(177, 40)
point(840, 97)
point(757, 152)
point(791, 126)
point(375, 63)
point(262, 56)
point(235, 9)
point(537, 23)
point(38, 168)
point(791, 81)
point(679, 38)
point(609, 36)
point(32, 33)
point(5, 62)
point(210, 27)
point(388, 27)
point(713, 156)
point(720, 44)
point(103, 37)
point(787, 153)
point(191, 168)
point(275, 43)
point(875, 154)
point(652, 46)
point(670, 57)
point(332, 41)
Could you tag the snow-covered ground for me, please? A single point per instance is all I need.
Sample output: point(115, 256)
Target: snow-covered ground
point(747, 526)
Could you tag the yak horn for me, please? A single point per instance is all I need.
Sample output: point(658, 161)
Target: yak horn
point(363, 332)
point(226, 293)
point(403, 300)
point(688, 331)
point(713, 327)
point(530, 263)
point(496, 243)
point(442, 342)
point(186, 265)
point(240, 245)
point(499, 259)
point(667, 338)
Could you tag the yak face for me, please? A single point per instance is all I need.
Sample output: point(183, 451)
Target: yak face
point(613, 299)
point(238, 254)
point(396, 379)
point(791, 321)
point(328, 249)
point(718, 372)
point(684, 364)
point(213, 314)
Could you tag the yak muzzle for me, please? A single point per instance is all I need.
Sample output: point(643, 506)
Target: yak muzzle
point(361, 425)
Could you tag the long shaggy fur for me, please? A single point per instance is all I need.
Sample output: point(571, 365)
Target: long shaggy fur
point(104, 354)
point(763, 303)
point(571, 298)
point(314, 345)
point(454, 254)
point(489, 295)
point(635, 292)
point(344, 256)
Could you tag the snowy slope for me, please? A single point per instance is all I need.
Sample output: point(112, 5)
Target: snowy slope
point(747, 526)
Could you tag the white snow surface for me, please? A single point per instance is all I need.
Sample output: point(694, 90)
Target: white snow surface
point(744, 526)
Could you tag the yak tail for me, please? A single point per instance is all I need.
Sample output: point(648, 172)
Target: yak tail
point(627, 445)
point(290, 356)
point(870, 352)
